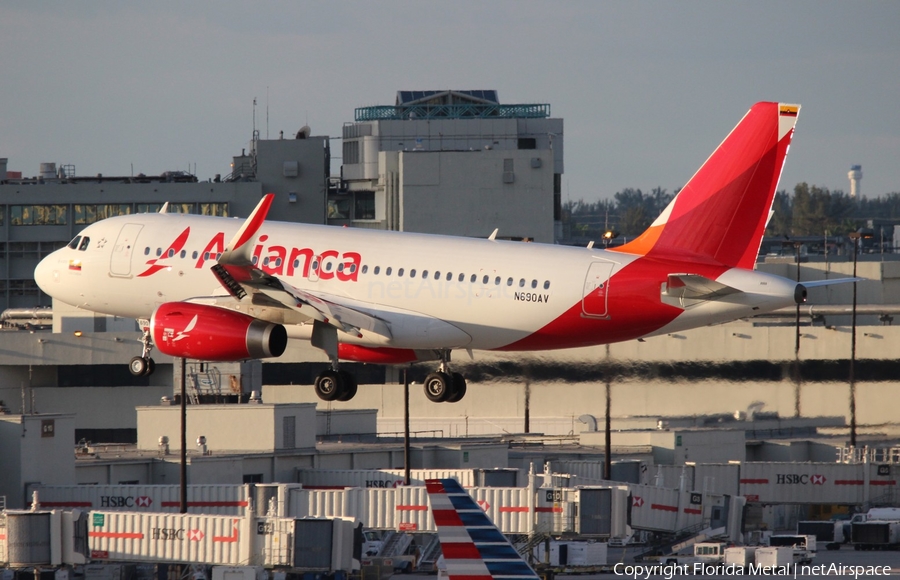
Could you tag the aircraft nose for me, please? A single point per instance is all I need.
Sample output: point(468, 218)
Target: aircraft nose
point(46, 273)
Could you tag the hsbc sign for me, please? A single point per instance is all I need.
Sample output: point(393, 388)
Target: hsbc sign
point(799, 479)
point(113, 501)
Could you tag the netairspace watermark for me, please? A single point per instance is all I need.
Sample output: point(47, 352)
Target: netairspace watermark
point(669, 571)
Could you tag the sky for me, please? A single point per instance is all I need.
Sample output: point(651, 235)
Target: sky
point(647, 90)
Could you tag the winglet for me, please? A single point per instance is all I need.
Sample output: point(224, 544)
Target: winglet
point(238, 251)
point(164, 208)
point(493, 235)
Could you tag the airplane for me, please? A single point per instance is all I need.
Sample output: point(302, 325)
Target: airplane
point(218, 289)
point(473, 547)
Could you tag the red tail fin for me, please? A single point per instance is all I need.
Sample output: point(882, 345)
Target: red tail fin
point(722, 211)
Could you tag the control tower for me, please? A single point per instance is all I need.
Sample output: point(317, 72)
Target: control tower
point(855, 175)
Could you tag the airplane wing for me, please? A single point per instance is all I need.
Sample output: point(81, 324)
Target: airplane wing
point(239, 276)
point(473, 547)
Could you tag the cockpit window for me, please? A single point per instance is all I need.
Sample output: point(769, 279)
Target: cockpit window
point(84, 243)
point(74, 243)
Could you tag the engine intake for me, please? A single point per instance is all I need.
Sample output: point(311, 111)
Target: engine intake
point(211, 333)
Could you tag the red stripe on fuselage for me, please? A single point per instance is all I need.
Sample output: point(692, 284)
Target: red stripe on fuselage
point(634, 306)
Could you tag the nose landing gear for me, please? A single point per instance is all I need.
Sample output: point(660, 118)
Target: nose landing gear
point(143, 365)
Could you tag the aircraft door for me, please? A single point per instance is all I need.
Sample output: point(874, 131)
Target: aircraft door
point(123, 250)
point(596, 288)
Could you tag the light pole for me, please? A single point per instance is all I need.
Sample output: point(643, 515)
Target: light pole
point(797, 343)
point(856, 237)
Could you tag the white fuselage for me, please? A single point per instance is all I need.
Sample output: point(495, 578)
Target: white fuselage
point(435, 292)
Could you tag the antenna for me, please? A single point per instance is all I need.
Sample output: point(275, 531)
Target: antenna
point(254, 115)
point(267, 112)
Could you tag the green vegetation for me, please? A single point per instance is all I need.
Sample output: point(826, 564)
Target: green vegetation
point(811, 210)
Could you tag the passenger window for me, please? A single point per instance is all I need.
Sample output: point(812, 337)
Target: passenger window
point(296, 264)
point(183, 253)
point(412, 273)
point(193, 256)
point(449, 276)
point(509, 281)
point(472, 279)
point(328, 266)
point(534, 283)
point(388, 271)
point(462, 277)
point(485, 280)
point(147, 251)
point(315, 265)
point(158, 252)
point(353, 269)
point(265, 261)
point(340, 267)
point(84, 243)
point(497, 280)
point(74, 243)
point(400, 272)
point(255, 258)
point(522, 283)
point(424, 274)
point(546, 284)
point(377, 270)
point(170, 253)
point(277, 262)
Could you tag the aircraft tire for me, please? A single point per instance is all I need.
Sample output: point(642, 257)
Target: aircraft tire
point(151, 366)
point(350, 386)
point(329, 385)
point(138, 366)
point(438, 387)
point(459, 388)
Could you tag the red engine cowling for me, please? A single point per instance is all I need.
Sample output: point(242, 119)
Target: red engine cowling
point(210, 333)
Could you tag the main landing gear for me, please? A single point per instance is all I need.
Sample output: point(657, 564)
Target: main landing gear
point(442, 386)
point(335, 385)
point(143, 365)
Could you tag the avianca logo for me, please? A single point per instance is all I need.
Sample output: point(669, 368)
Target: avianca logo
point(173, 249)
point(184, 333)
point(274, 259)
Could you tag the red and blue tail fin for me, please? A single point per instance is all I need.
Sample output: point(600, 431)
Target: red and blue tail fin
point(473, 547)
point(723, 210)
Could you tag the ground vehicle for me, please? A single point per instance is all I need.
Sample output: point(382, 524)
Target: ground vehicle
point(832, 532)
point(803, 545)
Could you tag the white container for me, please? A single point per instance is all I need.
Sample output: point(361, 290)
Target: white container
point(741, 556)
point(239, 573)
point(206, 499)
point(774, 556)
point(161, 537)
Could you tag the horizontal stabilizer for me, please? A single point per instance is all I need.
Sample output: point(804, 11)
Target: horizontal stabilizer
point(817, 283)
point(696, 287)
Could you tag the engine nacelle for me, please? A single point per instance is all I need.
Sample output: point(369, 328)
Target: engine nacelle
point(210, 333)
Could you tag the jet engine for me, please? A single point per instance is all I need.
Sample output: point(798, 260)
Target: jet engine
point(205, 332)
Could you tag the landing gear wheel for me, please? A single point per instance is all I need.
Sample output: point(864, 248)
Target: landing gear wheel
point(151, 366)
point(459, 388)
point(328, 385)
point(349, 386)
point(138, 366)
point(437, 387)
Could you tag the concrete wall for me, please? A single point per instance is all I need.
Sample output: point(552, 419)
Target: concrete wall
point(464, 193)
point(227, 427)
point(35, 449)
point(309, 184)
